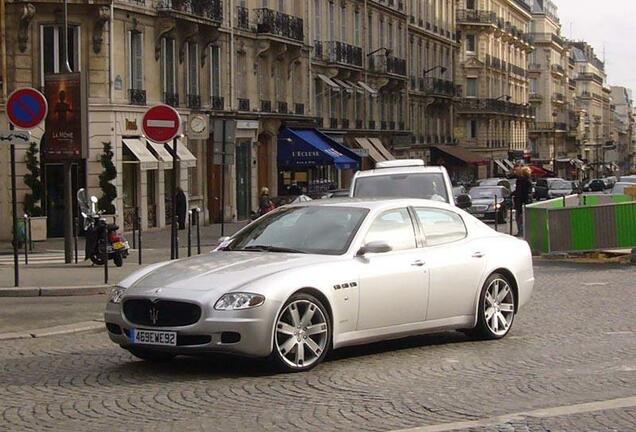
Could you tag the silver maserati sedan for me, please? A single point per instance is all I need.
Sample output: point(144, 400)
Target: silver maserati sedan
point(320, 275)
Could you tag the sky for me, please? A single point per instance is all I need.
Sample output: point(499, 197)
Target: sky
point(610, 24)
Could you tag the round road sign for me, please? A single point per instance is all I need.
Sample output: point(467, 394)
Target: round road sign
point(26, 108)
point(161, 123)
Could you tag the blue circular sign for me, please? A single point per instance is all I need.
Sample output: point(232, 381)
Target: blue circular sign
point(26, 108)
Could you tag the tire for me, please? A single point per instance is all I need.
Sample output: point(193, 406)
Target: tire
point(151, 356)
point(487, 326)
point(97, 259)
point(294, 331)
point(118, 260)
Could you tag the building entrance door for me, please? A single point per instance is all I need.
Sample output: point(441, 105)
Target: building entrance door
point(243, 179)
point(54, 195)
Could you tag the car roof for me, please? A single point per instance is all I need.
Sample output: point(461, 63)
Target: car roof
point(374, 203)
point(400, 170)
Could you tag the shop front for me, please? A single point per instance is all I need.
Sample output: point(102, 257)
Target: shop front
point(309, 162)
point(462, 164)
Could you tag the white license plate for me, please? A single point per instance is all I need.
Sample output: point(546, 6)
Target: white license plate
point(153, 337)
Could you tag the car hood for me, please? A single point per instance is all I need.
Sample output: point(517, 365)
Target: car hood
point(485, 201)
point(221, 271)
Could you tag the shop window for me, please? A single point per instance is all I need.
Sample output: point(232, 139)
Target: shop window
point(51, 40)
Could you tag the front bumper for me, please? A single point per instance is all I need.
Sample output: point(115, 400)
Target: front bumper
point(214, 332)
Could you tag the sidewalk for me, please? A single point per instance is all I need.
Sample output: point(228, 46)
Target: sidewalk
point(46, 267)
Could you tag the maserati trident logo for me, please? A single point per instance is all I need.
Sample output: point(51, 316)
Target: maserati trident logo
point(154, 315)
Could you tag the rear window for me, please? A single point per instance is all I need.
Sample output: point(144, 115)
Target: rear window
point(407, 185)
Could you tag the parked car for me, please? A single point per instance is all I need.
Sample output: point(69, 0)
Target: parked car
point(619, 187)
point(340, 193)
point(561, 188)
point(459, 190)
point(628, 179)
point(311, 277)
point(542, 187)
point(490, 202)
point(406, 178)
point(496, 182)
point(594, 185)
point(610, 181)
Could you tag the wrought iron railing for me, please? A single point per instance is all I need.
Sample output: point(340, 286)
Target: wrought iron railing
point(243, 104)
point(266, 106)
point(318, 50)
point(345, 123)
point(557, 68)
point(340, 52)
point(137, 97)
point(282, 107)
point(371, 124)
point(381, 63)
point(470, 105)
point(359, 124)
point(439, 87)
point(383, 125)
point(333, 123)
point(299, 109)
point(208, 9)
point(277, 23)
point(242, 17)
point(171, 99)
point(194, 101)
point(217, 103)
point(476, 16)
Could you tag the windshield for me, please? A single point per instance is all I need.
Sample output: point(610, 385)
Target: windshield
point(408, 185)
point(487, 192)
point(316, 230)
point(561, 184)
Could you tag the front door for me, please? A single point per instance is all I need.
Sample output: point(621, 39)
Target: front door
point(54, 195)
point(243, 179)
point(393, 285)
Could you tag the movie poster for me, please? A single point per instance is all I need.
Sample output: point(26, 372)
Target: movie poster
point(63, 133)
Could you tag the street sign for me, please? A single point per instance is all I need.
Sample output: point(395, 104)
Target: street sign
point(14, 137)
point(26, 108)
point(161, 124)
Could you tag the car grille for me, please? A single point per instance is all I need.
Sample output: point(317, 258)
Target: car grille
point(479, 208)
point(161, 313)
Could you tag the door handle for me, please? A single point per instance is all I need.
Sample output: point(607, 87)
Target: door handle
point(478, 255)
point(418, 263)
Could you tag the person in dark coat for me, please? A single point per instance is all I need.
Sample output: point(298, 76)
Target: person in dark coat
point(522, 195)
point(182, 208)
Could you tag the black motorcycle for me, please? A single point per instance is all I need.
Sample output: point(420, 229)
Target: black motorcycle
point(98, 232)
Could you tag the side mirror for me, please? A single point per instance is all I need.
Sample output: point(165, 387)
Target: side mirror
point(223, 239)
point(463, 201)
point(374, 247)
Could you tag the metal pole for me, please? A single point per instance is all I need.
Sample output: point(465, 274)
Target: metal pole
point(223, 182)
point(105, 254)
point(30, 237)
point(496, 214)
point(26, 240)
point(75, 234)
point(139, 234)
point(175, 232)
point(512, 210)
point(66, 64)
point(134, 225)
point(16, 270)
point(68, 213)
point(198, 231)
point(190, 233)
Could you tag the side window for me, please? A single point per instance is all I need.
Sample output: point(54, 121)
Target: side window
point(441, 226)
point(394, 227)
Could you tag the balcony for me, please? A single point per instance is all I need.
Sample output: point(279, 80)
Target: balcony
point(518, 70)
point(209, 10)
point(470, 16)
point(137, 97)
point(318, 50)
point(194, 101)
point(371, 124)
point(333, 123)
point(383, 64)
point(392, 125)
point(535, 97)
point(359, 124)
point(299, 109)
point(548, 127)
point(534, 67)
point(171, 99)
point(343, 53)
point(217, 103)
point(243, 104)
point(494, 106)
point(401, 126)
point(438, 87)
point(557, 69)
point(345, 123)
point(588, 76)
point(266, 106)
point(383, 125)
point(242, 18)
point(558, 98)
point(276, 23)
point(283, 107)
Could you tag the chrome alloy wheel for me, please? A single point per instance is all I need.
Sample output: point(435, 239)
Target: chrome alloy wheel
point(301, 334)
point(499, 307)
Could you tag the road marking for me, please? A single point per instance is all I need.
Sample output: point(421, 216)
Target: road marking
point(595, 284)
point(611, 404)
point(39, 258)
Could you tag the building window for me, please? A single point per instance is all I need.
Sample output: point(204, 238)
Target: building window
point(136, 43)
point(51, 39)
point(193, 68)
point(318, 93)
point(471, 87)
point(472, 129)
point(470, 4)
point(471, 43)
point(332, 22)
point(242, 75)
point(343, 23)
point(370, 34)
point(356, 29)
point(215, 71)
point(168, 65)
point(317, 20)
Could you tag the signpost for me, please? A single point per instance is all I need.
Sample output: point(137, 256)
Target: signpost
point(26, 108)
point(160, 125)
point(224, 133)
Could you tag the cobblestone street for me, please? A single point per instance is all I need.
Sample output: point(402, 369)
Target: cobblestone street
point(574, 344)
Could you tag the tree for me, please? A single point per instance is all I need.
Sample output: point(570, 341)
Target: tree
point(32, 180)
point(109, 192)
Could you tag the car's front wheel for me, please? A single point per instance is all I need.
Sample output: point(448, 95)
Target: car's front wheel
point(496, 308)
point(302, 334)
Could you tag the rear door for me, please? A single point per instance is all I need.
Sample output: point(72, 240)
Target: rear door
point(454, 260)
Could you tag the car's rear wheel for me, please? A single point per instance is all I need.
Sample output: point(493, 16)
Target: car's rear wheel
point(302, 334)
point(152, 356)
point(496, 308)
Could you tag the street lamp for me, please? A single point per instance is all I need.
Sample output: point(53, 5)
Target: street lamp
point(442, 69)
point(508, 97)
point(387, 51)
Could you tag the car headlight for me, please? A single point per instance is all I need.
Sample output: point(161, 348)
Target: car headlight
point(116, 294)
point(238, 301)
point(494, 206)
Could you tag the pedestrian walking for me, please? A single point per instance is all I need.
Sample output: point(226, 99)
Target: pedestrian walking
point(182, 208)
point(522, 195)
point(265, 204)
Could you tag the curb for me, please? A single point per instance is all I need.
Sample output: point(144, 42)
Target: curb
point(84, 326)
point(54, 291)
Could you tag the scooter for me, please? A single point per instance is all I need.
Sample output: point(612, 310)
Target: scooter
point(96, 229)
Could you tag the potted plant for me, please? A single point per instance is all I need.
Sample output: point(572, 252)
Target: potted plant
point(109, 192)
point(32, 200)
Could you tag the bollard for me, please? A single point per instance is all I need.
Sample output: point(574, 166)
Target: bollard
point(198, 223)
point(105, 255)
point(27, 239)
point(189, 233)
point(29, 234)
point(496, 214)
point(134, 226)
point(75, 233)
point(139, 234)
point(511, 217)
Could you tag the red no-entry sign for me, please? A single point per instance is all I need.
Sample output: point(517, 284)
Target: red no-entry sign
point(26, 108)
point(161, 123)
